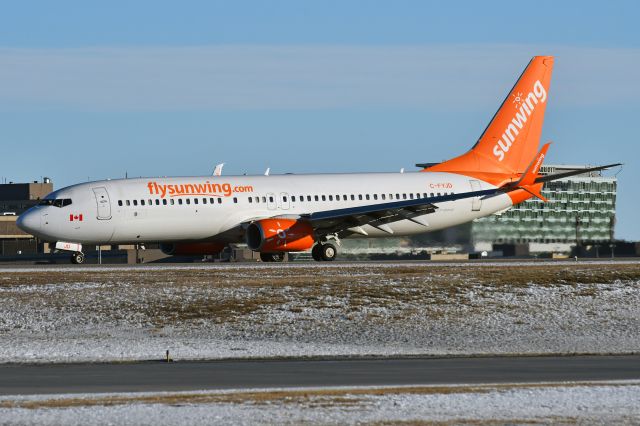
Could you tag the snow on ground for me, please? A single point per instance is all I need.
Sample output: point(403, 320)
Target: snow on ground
point(235, 311)
point(583, 403)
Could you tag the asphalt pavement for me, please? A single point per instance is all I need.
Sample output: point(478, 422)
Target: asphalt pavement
point(235, 374)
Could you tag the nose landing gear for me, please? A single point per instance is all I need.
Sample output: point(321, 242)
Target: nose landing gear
point(77, 258)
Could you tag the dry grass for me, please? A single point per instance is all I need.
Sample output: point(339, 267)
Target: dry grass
point(228, 294)
point(307, 398)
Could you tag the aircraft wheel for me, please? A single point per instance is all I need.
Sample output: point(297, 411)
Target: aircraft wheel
point(272, 257)
point(77, 258)
point(328, 252)
point(316, 252)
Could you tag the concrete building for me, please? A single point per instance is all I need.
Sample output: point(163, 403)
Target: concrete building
point(16, 198)
point(581, 210)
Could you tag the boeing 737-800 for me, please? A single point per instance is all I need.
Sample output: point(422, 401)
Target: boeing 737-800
point(289, 213)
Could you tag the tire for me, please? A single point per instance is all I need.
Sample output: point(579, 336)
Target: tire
point(77, 258)
point(272, 257)
point(328, 252)
point(316, 252)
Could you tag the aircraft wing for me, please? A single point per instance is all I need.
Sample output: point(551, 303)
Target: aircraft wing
point(350, 220)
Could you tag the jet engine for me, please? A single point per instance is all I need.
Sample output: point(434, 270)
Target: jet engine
point(191, 249)
point(278, 235)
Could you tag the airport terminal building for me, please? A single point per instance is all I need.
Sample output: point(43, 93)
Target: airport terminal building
point(581, 209)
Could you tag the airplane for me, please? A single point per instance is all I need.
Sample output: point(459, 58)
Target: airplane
point(276, 214)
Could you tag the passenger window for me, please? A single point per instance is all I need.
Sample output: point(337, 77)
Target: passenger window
point(324, 198)
point(235, 200)
point(120, 203)
point(404, 196)
point(173, 202)
point(188, 200)
point(367, 196)
point(157, 202)
point(359, 196)
point(330, 197)
point(195, 201)
point(424, 195)
point(180, 201)
point(250, 200)
point(344, 197)
point(135, 202)
point(211, 200)
point(308, 197)
point(383, 196)
point(293, 198)
point(411, 195)
point(284, 199)
point(353, 197)
point(432, 194)
point(128, 203)
point(257, 199)
point(375, 196)
point(204, 201)
point(271, 199)
point(391, 196)
point(438, 194)
point(164, 202)
point(142, 202)
point(316, 197)
point(397, 196)
point(219, 200)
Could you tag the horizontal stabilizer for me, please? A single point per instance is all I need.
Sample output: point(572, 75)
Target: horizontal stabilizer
point(556, 176)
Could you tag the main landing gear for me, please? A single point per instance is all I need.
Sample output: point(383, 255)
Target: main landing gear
point(324, 252)
point(272, 257)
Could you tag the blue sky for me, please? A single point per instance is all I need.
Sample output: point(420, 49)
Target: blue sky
point(92, 90)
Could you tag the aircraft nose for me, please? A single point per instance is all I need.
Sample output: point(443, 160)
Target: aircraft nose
point(29, 222)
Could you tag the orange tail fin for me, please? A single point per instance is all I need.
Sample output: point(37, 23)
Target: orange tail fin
point(510, 141)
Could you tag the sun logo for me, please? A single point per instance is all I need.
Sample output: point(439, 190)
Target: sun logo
point(517, 99)
point(280, 234)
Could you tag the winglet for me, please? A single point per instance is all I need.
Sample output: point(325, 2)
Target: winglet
point(531, 174)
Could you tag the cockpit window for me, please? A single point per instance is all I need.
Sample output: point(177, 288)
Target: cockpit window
point(59, 202)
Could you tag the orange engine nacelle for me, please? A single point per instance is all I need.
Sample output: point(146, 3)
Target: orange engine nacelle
point(275, 235)
point(191, 249)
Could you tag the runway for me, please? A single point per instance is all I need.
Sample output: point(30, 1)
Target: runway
point(180, 376)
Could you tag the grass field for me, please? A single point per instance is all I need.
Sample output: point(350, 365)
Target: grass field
point(311, 309)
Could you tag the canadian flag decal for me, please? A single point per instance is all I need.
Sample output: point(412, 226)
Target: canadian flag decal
point(74, 217)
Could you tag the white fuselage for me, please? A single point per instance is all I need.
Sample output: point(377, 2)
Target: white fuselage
point(214, 208)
